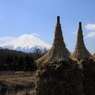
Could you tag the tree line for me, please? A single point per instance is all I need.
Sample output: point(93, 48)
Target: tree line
point(12, 60)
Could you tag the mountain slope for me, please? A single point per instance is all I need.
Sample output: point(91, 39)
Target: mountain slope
point(26, 43)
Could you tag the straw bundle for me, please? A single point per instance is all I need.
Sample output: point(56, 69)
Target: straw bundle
point(80, 51)
point(57, 73)
point(61, 78)
point(87, 64)
point(58, 50)
point(93, 55)
point(88, 76)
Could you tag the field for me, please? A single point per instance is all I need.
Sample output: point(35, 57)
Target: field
point(20, 80)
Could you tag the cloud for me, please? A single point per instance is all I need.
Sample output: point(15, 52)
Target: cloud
point(35, 34)
point(74, 32)
point(7, 38)
point(91, 34)
point(90, 26)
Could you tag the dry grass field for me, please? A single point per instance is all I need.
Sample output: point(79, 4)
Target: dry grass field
point(17, 80)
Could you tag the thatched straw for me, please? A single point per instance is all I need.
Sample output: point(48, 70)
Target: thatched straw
point(93, 55)
point(80, 51)
point(63, 78)
point(58, 50)
point(57, 73)
point(88, 76)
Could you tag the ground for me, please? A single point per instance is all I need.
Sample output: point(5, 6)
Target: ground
point(17, 80)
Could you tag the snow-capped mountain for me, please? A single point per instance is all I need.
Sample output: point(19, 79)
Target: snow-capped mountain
point(26, 43)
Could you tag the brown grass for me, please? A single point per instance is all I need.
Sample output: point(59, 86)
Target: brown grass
point(16, 80)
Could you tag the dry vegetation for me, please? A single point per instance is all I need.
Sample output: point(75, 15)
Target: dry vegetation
point(88, 76)
point(57, 73)
point(17, 80)
point(80, 51)
point(93, 55)
point(59, 78)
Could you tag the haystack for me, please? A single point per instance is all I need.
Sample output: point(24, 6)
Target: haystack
point(87, 63)
point(93, 55)
point(88, 76)
point(57, 74)
point(80, 51)
point(58, 50)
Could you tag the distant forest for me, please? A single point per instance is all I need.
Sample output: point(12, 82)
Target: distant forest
point(11, 60)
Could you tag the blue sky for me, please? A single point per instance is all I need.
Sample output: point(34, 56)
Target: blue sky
point(18, 17)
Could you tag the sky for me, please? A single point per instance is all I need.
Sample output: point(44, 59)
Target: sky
point(38, 17)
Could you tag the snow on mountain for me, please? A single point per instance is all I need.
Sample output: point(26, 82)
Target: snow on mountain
point(26, 43)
